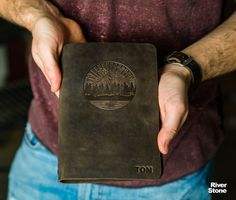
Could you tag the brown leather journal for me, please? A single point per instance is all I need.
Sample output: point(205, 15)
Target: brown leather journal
point(108, 113)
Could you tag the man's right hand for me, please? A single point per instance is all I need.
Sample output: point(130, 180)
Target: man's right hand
point(50, 32)
point(49, 36)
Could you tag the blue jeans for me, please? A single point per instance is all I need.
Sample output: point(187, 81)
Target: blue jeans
point(33, 176)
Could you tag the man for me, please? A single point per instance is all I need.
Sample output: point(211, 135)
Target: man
point(170, 25)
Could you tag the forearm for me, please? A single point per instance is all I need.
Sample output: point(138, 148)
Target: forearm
point(216, 53)
point(26, 12)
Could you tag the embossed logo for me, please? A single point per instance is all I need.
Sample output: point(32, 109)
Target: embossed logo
point(110, 85)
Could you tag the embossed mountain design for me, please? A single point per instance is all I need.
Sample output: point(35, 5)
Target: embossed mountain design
point(109, 85)
point(108, 113)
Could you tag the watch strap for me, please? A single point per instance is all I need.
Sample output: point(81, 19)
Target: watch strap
point(184, 60)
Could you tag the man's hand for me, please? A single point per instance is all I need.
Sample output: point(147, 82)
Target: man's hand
point(216, 54)
point(49, 36)
point(173, 89)
point(50, 32)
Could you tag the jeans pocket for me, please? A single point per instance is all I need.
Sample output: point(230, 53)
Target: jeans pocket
point(31, 139)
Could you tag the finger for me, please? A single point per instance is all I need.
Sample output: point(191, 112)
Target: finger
point(170, 125)
point(39, 63)
point(57, 93)
point(47, 59)
point(74, 32)
point(50, 60)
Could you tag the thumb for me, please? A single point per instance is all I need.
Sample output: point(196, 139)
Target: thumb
point(52, 71)
point(73, 31)
point(47, 59)
point(171, 123)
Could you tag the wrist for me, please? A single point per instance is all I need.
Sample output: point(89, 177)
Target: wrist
point(182, 72)
point(30, 13)
point(186, 61)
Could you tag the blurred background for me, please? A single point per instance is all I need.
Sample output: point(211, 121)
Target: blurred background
point(15, 96)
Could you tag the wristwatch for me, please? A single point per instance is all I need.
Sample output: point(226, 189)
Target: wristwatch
point(183, 60)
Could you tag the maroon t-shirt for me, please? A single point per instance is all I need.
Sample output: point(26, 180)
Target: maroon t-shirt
point(170, 25)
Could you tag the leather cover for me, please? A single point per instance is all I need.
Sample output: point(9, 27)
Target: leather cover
point(108, 113)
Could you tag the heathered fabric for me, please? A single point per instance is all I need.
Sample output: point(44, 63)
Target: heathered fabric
point(168, 24)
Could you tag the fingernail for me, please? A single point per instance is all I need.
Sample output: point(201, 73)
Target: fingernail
point(57, 94)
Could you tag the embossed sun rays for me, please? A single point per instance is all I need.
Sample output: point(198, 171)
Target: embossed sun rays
point(109, 72)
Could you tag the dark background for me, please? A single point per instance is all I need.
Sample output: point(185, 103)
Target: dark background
point(15, 96)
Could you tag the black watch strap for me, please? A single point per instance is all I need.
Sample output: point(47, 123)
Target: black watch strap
point(184, 60)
